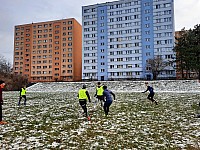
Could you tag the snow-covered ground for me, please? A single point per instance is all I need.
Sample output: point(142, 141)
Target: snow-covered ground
point(120, 86)
point(53, 119)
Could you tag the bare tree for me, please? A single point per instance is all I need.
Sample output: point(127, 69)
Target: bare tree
point(5, 66)
point(156, 65)
point(13, 82)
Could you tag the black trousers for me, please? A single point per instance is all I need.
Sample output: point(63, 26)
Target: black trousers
point(106, 107)
point(101, 99)
point(150, 97)
point(83, 104)
point(0, 112)
point(20, 98)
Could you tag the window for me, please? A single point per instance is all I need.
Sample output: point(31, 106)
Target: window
point(102, 70)
point(69, 22)
point(69, 60)
point(112, 20)
point(136, 65)
point(111, 46)
point(157, 6)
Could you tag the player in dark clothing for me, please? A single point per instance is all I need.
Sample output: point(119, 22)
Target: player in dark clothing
point(151, 93)
point(108, 99)
point(83, 96)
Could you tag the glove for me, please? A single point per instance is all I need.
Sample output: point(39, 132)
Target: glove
point(95, 95)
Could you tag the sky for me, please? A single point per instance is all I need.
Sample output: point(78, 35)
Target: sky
point(18, 12)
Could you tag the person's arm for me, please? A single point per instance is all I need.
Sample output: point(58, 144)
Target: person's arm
point(20, 92)
point(146, 90)
point(95, 93)
point(88, 95)
point(104, 95)
point(112, 94)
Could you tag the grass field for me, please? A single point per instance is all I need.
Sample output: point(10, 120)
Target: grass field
point(54, 121)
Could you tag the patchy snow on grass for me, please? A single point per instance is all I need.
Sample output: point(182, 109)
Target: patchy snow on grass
point(54, 120)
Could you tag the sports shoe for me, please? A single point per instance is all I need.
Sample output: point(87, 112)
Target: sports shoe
point(88, 118)
point(3, 122)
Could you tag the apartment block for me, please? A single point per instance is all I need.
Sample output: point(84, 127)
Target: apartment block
point(120, 37)
point(49, 51)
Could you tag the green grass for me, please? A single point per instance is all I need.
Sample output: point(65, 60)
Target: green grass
point(54, 121)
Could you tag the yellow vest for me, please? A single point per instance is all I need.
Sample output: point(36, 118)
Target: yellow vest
point(100, 91)
point(23, 92)
point(82, 94)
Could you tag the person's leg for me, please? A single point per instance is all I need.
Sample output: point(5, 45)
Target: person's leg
point(0, 112)
point(101, 103)
point(83, 105)
point(108, 107)
point(19, 100)
point(153, 100)
point(150, 97)
point(24, 99)
point(98, 97)
point(102, 100)
point(105, 107)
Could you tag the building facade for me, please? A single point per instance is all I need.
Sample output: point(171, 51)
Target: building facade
point(49, 51)
point(120, 36)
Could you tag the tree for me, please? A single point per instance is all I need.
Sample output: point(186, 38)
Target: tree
point(5, 66)
point(188, 51)
point(13, 82)
point(196, 49)
point(156, 66)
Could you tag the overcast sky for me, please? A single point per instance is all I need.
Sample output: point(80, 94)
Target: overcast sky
point(17, 12)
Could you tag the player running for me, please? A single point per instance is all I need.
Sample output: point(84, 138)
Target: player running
point(151, 93)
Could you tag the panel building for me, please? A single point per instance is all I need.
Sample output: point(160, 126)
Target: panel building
point(120, 36)
point(49, 51)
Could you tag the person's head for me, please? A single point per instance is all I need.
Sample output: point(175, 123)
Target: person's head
point(146, 83)
point(99, 83)
point(2, 84)
point(84, 86)
point(104, 87)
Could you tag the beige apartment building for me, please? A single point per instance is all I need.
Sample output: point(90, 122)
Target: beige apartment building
point(49, 51)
